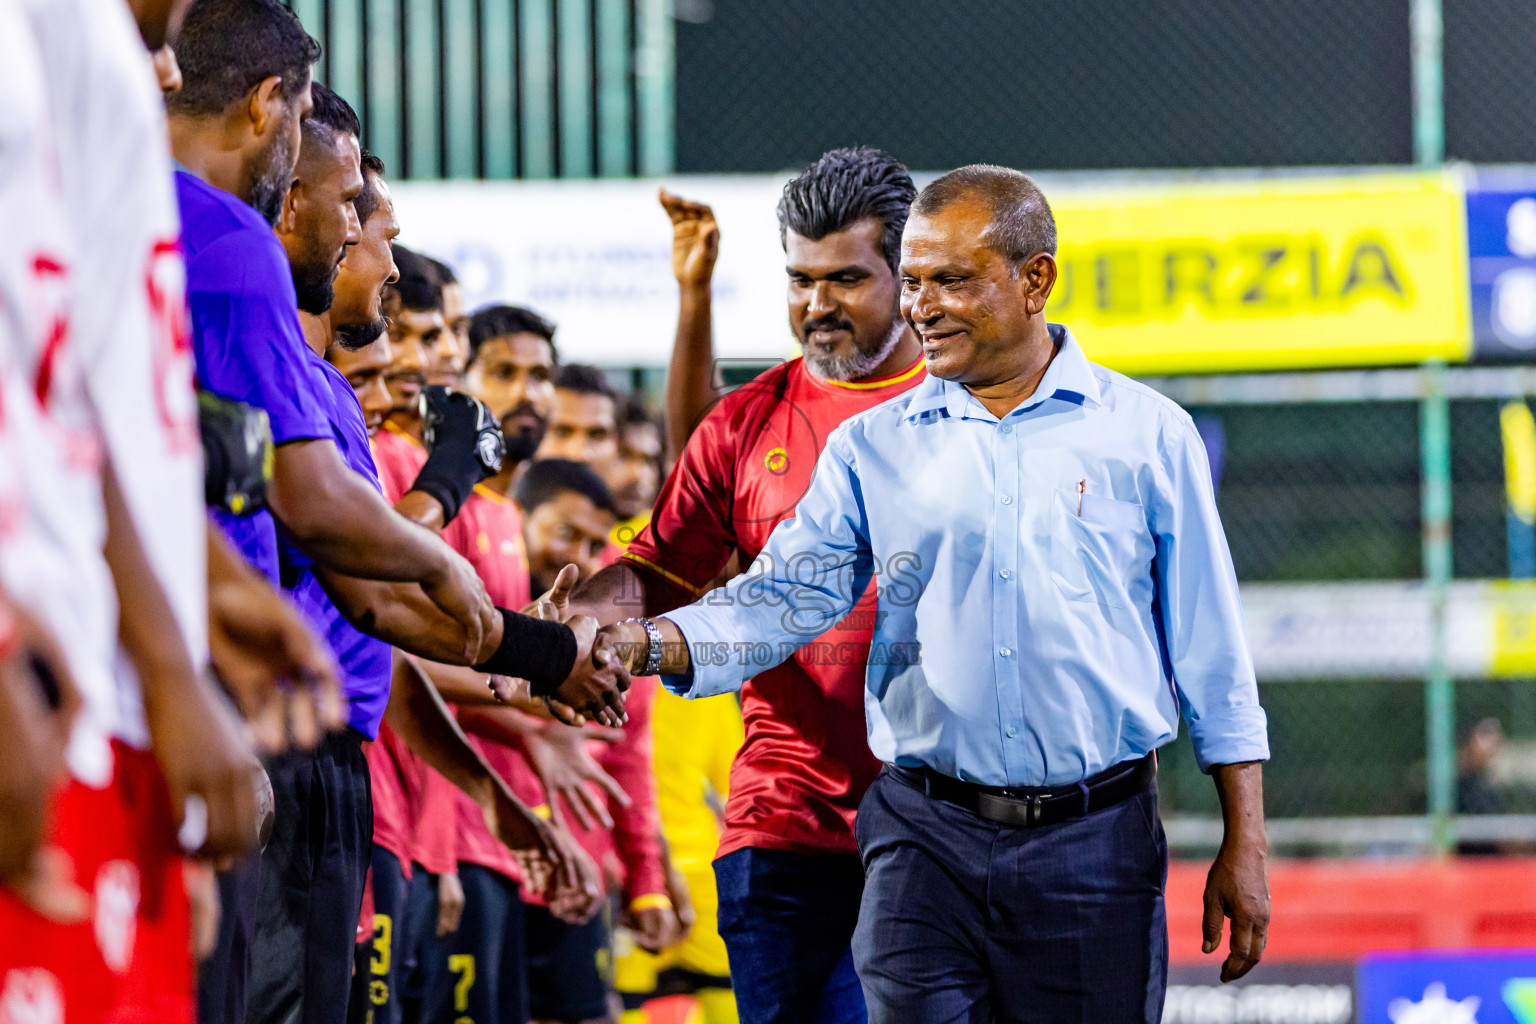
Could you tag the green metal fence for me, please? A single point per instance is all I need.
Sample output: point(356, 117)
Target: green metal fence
point(504, 88)
point(1333, 477)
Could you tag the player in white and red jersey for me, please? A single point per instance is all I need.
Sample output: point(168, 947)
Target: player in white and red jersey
point(129, 322)
point(49, 969)
point(133, 466)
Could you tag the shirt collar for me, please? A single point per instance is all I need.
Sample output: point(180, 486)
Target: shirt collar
point(1070, 376)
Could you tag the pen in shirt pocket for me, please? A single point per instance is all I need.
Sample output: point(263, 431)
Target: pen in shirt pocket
point(1082, 486)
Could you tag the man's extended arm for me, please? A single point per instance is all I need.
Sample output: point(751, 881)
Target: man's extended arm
point(461, 685)
point(558, 658)
point(809, 575)
point(336, 518)
point(1213, 674)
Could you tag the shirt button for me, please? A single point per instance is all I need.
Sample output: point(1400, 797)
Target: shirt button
point(1005, 651)
point(1013, 731)
point(1005, 573)
point(1007, 499)
point(1005, 429)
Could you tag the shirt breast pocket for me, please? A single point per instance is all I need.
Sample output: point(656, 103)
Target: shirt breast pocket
point(1099, 554)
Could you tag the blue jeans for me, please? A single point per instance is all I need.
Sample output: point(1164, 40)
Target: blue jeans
point(787, 920)
point(966, 921)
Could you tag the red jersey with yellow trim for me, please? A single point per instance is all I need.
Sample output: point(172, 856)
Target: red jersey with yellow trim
point(398, 457)
point(433, 812)
point(798, 779)
point(392, 766)
point(488, 531)
point(389, 762)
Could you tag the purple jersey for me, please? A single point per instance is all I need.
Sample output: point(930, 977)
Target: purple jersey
point(246, 341)
point(365, 662)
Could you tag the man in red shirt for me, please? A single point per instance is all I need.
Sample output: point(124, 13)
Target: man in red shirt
point(408, 829)
point(570, 513)
point(479, 970)
point(788, 871)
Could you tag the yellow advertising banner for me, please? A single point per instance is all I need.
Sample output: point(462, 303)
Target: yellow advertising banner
point(1284, 273)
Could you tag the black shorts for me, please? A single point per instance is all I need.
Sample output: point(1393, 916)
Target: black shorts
point(478, 974)
point(570, 967)
point(312, 875)
point(378, 972)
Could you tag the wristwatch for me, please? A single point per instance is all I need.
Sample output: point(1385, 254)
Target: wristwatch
point(653, 647)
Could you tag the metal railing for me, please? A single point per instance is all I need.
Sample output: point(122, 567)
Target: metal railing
point(504, 88)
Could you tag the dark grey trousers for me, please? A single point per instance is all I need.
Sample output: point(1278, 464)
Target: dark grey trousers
point(965, 921)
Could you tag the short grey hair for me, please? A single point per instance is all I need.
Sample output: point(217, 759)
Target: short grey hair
point(1022, 223)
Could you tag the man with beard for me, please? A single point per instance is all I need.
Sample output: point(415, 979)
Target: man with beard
point(1055, 599)
point(315, 864)
point(318, 221)
point(788, 871)
point(235, 128)
point(511, 369)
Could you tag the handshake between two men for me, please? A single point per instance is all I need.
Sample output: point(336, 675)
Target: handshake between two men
point(599, 677)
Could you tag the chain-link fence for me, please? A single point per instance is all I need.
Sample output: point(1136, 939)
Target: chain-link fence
point(1318, 492)
point(1314, 492)
point(1489, 79)
point(1119, 83)
point(579, 88)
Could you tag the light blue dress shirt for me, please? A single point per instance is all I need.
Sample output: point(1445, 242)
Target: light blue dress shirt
point(1055, 589)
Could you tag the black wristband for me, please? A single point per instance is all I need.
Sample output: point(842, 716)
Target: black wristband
point(537, 650)
point(441, 490)
point(449, 476)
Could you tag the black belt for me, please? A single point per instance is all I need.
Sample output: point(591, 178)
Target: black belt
point(1035, 806)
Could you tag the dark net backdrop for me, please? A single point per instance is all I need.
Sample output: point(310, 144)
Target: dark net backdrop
point(1112, 83)
point(1490, 80)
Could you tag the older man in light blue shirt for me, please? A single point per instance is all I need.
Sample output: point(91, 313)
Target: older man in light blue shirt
point(1055, 592)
